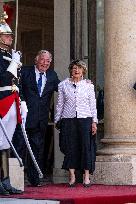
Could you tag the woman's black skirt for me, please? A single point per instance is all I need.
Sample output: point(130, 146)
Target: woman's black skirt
point(77, 144)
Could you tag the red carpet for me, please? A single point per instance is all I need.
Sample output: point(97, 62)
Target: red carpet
point(96, 194)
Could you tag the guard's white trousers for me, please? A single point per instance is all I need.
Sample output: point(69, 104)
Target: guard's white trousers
point(9, 121)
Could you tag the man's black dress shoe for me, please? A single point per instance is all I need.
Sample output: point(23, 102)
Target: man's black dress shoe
point(38, 184)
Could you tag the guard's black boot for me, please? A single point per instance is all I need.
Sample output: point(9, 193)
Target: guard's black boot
point(7, 186)
point(3, 191)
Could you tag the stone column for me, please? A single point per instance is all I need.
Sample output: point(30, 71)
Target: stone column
point(61, 62)
point(91, 7)
point(116, 162)
point(78, 28)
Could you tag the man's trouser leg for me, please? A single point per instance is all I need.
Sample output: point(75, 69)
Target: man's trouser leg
point(2, 189)
point(5, 163)
point(37, 144)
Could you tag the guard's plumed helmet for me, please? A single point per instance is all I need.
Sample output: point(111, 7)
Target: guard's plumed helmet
point(4, 27)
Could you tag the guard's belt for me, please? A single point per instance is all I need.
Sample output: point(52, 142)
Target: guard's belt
point(8, 88)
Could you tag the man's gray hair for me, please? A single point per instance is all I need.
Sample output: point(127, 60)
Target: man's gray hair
point(42, 52)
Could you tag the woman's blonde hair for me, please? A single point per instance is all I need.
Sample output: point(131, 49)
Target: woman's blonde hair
point(78, 63)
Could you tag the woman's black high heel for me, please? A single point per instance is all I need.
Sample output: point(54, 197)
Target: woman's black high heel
point(71, 185)
point(86, 185)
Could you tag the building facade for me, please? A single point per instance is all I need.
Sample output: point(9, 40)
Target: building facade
point(103, 33)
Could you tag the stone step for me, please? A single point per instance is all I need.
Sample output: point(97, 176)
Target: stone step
point(27, 201)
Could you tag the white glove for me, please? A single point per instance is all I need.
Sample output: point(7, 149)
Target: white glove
point(24, 111)
point(16, 55)
point(15, 63)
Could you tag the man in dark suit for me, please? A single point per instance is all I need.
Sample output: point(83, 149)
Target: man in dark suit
point(38, 85)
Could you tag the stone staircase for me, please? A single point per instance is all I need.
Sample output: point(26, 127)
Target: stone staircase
point(26, 201)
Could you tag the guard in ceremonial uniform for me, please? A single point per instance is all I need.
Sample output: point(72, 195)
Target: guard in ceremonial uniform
point(10, 105)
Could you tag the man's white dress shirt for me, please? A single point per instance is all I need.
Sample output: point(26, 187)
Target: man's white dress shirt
point(44, 79)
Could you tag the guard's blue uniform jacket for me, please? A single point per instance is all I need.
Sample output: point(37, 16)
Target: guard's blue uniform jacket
point(8, 79)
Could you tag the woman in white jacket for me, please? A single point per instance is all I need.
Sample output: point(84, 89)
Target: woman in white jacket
point(76, 108)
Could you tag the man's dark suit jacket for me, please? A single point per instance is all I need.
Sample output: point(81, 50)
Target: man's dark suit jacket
point(38, 107)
